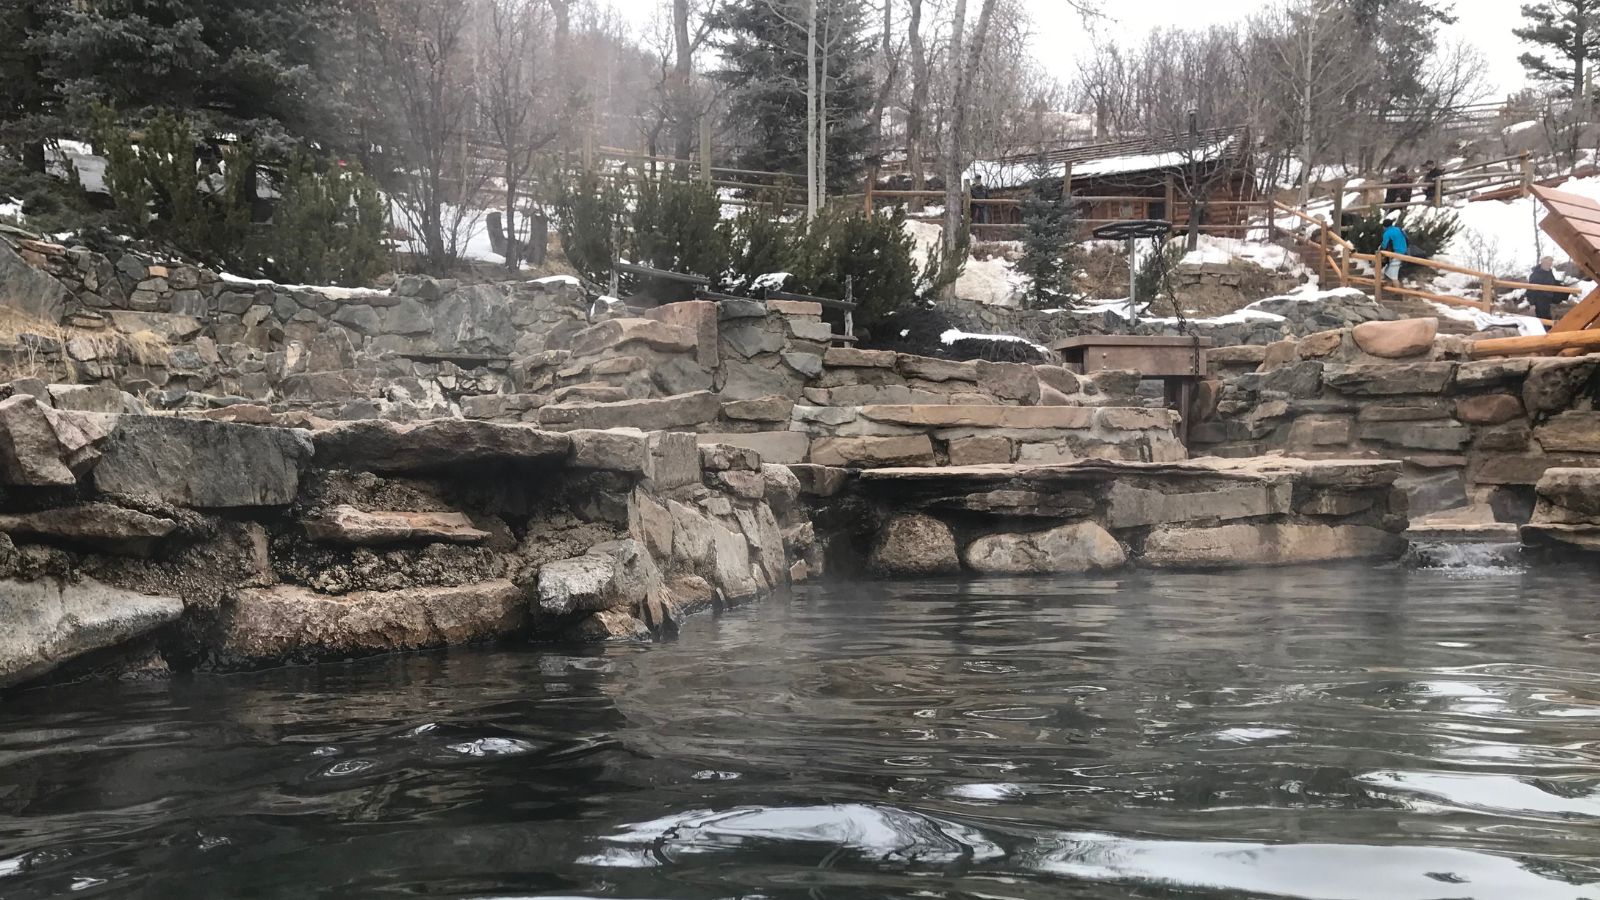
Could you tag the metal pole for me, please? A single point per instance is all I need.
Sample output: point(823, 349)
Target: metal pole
point(1133, 281)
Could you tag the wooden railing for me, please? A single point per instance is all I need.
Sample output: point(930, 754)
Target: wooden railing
point(1338, 255)
point(1179, 212)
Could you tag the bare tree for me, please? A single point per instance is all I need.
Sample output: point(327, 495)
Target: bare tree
point(516, 100)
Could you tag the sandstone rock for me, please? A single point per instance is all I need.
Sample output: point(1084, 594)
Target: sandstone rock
point(723, 457)
point(1311, 432)
point(749, 485)
point(782, 488)
point(868, 452)
point(50, 622)
point(287, 623)
point(1489, 409)
point(202, 464)
point(786, 447)
point(1079, 547)
point(1242, 356)
point(101, 527)
point(1386, 378)
point(973, 451)
point(439, 444)
point(607, 625)
point(929, 369)
point(807, 364)
point(1320, 345)
point(616, 450)
point(1009, 381)
point(610, 576)
point(966, 416)
point(674, 460)
point(1399, 339)
point(1296, 379)
point(1553, 384)
point(1573, 430)
point(31, 452)
point(774, 408)
point(795, 307)
point(680, 412)
point(1418, 435)
point(846, 357)
point(1132, 507)
point(1569, 496)
point(1491, 372)
point(1063, 380)
point(1135, 418)
point(1278, 354)
point(1245, 544)
point(350, 527)
point(765, 538)
point(1513, 437)
point(1528, 468)
point(914, 544)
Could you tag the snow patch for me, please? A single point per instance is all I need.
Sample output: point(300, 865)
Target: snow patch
point(557, 279)
point(950, 336)
point(331, 291)
point(771, 281)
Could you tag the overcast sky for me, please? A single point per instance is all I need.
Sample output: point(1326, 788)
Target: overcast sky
point(1061, 37)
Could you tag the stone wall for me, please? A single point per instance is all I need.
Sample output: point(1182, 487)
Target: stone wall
point(1567, 516)
point(1482, 431)
point(1098, 516)
point(149, 541)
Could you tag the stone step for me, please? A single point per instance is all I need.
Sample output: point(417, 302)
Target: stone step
point(679, 412)
point(590, 392)
point(351, 527)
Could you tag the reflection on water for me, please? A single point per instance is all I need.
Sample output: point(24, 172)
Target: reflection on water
point(1328, 733)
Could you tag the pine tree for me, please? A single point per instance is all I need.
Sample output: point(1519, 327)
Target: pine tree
point(1050, 227)
point(1568, 33)
point(764, 43)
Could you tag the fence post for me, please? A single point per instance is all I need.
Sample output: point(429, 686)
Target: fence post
point(1327, 257)
point(1377, 280)
point(705, 149)
point(866, 203)
point(1488, 293)
point(1337, 222)
point(1527, 174)
point(1171, 198)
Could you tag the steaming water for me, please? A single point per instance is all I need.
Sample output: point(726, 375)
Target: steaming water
point(1359, 732)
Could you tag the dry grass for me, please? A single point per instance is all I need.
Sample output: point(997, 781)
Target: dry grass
point(142, 347)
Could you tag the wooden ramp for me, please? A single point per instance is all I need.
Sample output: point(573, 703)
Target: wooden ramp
point(1574, 224)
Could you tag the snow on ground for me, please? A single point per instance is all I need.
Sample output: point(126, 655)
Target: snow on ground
point(332, 292)
point(985, 280)
point(950, 336)
point(557, 279)
point(11, 208)
point(1503, 236)
point(1223, 250)
point(1008, 173)
point(1527, 326)
point(91, 168)
point(772, 281)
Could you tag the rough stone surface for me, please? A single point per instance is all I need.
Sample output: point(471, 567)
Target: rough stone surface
point(1570, 495)
point(785, 447)
point(1388, 378)
point(1489, 409)
point(272, 625)
point(1078, 547)
point(1553, 384)
point(350, 527)
point(439, 444)
point(616, 450)
point(1129, 506)
point(915, 544)
point(678, 412)
point(31, 451)
point(907, 450)
point(49, 622)
point(1397, 340)
point(1572, 431)
point(102, 527)
point(1244, 544)
point(202, 464)
point(30, 290)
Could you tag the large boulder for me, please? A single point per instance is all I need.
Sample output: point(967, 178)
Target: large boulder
point(288, 623)
point(49, 622)
point(202, 464)
point(1397, 340)
point(389, 447)
point(32, 451)
point(610, 576)
point(915, 544)
point(1489, 409)
point(29, 290)
point(1079, 547)
point(1569, 496)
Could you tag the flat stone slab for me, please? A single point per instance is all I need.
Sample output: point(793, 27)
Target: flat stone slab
point(351, 527)
point(782, 447)
point(202, 464)
point(389, 447)
point(290, 623)
point(50, 622)
point(1267, 543)
point(938, 416)
point(102, 527)
point(677, 412)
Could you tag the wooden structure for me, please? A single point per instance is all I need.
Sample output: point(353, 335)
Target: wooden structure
point(1165, 177)
point(1177, 361)
point(1574, 224)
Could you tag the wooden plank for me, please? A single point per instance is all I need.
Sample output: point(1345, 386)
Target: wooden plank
point(1585, 340)
point(1438, 298)
point(1581, 316)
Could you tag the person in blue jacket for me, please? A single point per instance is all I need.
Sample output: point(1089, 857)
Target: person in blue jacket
point(1394, 240)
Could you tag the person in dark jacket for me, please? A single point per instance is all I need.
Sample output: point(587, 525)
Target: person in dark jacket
point(1399, 187)
point(1435, 182)
point(980, 211)
point(1544, 302)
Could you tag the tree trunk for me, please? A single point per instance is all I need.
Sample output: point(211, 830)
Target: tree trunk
point(811, 109)
point(822, 120)
point(919, 101)
point(683, 124)
point(955, 212)
point(513, 256)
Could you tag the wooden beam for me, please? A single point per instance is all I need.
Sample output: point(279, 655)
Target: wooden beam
point(1581, 316)
point(1586, 341)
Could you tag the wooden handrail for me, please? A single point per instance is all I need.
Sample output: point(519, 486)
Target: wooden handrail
point(1585, 339)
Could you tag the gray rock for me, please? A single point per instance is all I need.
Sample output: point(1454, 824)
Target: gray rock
point(664, 414)
point(50, 622)
point(435, 445)
point(202, 464)
point(102, 527)
point(359, 317)
point(914, 544)
point(29, 290)
point(624, 450)
point(1078, 547)
point(348, 526)
point(474, 319)
point(807, 364)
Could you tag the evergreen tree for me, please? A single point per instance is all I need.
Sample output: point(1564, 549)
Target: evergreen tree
point(1050, 228)
point(764, 43)
point(1568, 33)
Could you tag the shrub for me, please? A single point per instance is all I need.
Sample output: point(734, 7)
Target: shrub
point(1050, 228)
point(590, 217)
point(1154, 279)
point(677, 225)
point(1427, 234)
point(759, 242)
point(329, 227)
point(870, 253)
